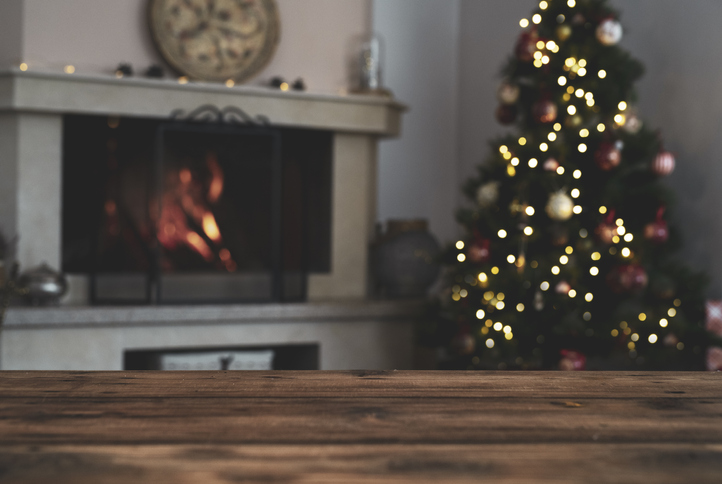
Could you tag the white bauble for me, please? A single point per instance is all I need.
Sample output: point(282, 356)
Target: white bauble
point(508, 93)
point(560, 206)
point(551, 164)
point(633, 124)
point(609, 32)
point(488, 193)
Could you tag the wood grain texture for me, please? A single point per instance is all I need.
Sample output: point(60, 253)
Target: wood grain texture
point(364, 426)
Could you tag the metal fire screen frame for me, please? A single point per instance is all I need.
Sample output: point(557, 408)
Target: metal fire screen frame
point(230, 121)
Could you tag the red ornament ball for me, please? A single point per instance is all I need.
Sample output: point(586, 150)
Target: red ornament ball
point(526, 46)
point(551, 164)
point(670, 340)
point(663, 163)
point(656, 232)
point(559, 235)
point(605, 232)
point(506, 113)
point(608, 156)
point(544, 111)
point(562, 287)
point(463, 344)
point(627, 279)
point(479, 251)
point(572, 361)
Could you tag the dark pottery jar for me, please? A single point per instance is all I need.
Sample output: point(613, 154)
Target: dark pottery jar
point(403, 259)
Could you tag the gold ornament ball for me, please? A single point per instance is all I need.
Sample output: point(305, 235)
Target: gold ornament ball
point(573, 121)
point(560, 206)
point(564, 32)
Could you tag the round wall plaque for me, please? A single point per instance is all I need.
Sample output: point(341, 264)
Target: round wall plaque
point(215, 40)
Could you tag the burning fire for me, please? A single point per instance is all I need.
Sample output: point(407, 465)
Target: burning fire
point(187, 219)
point(210, 227)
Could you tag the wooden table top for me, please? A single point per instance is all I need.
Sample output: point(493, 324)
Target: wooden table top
point(360, 427)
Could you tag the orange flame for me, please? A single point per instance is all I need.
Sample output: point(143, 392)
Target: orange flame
point(200, 245)
point(216, 186)
point(210, 227)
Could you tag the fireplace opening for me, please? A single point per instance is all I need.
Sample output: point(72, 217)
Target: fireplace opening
point(187, 212)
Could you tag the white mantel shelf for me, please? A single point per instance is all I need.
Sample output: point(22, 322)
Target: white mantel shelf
point(43, 92)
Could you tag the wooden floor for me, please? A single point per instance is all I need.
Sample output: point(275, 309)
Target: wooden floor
point(360, 427)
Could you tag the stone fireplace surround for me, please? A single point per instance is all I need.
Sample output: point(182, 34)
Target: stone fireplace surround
point(368, 334)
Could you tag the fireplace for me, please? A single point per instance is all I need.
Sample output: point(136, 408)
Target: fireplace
point(71, 188)
point(215, 208)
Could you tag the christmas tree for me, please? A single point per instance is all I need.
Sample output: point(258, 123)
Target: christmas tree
point(568, 254)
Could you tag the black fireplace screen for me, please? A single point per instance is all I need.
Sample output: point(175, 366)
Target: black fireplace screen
point(194, 212)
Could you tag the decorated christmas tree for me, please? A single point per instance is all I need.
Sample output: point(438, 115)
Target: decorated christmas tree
point(568, 254)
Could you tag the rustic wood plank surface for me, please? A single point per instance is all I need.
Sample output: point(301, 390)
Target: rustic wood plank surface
point(363, 426)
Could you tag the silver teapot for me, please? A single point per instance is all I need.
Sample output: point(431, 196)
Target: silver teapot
point(44, 285)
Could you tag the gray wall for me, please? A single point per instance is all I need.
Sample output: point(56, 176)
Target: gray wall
point(418, 173)
point(10, 31)
point(680, 43)
point(96, 35)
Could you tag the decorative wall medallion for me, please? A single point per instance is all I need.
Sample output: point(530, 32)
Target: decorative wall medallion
point(215, 40)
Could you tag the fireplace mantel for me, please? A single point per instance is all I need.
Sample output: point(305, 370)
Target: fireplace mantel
point(42, 92)
point(32, 106)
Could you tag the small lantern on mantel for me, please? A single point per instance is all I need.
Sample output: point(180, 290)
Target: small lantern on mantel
point(369, 53)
